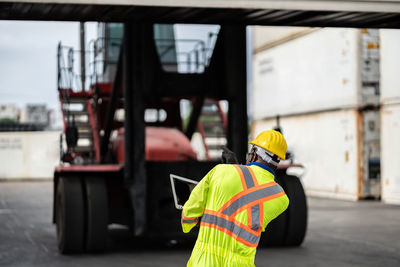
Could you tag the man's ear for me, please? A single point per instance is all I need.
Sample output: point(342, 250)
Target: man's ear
point(255, 156)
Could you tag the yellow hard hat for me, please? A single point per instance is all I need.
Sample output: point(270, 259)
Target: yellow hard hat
point(273, 141)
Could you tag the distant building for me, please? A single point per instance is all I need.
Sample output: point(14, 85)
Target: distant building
point(35, 114)
point(33, 117)
point(9, 113)
point(55, 120)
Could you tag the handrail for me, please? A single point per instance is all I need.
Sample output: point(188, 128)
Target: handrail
point(61, 69)
point(193, 60)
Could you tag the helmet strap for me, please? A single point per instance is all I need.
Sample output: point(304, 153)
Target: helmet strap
point(266, 156)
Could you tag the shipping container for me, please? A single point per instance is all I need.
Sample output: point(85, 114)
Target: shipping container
point(266, 37)
point(390, 65)
point(390, 115)
point(324, 86)
point(327, 144)
point(310, 73)
point(323, 70)
point(390, 152)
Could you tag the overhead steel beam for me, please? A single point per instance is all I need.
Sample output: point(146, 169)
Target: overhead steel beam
point(314, 5)
point(283, 13)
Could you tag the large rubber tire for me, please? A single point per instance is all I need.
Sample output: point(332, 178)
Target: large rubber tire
point(297, 211)
point(96, 214)
point(70, 215)
point(275, 232)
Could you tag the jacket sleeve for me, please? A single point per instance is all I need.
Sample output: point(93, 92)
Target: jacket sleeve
point(195, 205)
point(282, 204)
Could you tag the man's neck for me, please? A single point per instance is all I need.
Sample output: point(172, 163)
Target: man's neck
point(266, 164)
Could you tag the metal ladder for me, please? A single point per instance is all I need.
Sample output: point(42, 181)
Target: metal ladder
point(212, 126)
point(76, 114)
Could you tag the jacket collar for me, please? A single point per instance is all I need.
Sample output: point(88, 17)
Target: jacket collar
point(265, 167)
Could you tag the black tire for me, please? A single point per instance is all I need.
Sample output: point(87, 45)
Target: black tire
point(297, 211)
point(70, 215)
point(275, 232)
point(274, 235)
point(97, 214)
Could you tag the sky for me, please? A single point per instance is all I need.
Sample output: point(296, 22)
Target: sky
point(28, 59)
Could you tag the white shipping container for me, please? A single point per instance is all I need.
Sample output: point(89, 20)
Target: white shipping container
point(390, 66)
point(390, 115)
point(318, 71)
point(326, 69)
point(390, 143)
point(327, 145)
point(325, 88)
point(29, 155)
point(265, 36)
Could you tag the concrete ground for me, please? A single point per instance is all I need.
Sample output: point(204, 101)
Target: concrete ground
point(340, 233)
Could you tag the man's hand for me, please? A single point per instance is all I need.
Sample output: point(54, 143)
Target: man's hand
point(228, 156)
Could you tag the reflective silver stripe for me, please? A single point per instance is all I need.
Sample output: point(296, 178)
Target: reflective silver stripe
point(255, 210)
point(190, 221)
point(250, 197)
point(255, 217)
point(234, 228)
point(247, 176)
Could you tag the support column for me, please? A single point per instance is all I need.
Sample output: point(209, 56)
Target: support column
point(135, 172)
point(234, 43)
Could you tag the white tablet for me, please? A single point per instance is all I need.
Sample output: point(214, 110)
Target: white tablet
point(181, 188)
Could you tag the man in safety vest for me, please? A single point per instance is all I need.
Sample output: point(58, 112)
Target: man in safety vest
point(234, 204)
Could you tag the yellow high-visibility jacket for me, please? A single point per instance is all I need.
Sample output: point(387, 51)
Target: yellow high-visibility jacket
point(234, 204)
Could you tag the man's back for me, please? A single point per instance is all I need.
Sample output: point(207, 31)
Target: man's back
point(236, 203)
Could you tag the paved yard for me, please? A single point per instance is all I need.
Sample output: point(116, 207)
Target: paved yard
point(340, 233)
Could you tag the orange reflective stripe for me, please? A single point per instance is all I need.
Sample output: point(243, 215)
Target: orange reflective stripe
point(251, 197)
point(242, 193)
point(232, 220)
point(247, 176)
point(255, 217)
point(226, 231)
point(241, 177)
point(262, 200)
point(253, 176)
point(251, 200)
point(249, 219)
point(261, 216)
point(250, 236)
point(189, 220)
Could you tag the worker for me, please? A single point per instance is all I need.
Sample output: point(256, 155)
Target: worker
point(234, 204)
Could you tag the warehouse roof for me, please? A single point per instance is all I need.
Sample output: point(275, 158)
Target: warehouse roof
point(322, 13)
